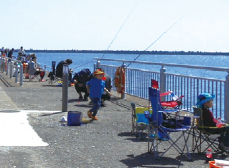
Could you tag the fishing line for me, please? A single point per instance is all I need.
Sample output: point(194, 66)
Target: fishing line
point(121, 27)
point(156, 40)
point(114, 36)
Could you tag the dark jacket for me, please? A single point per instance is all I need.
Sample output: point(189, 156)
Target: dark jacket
point(59, 69)
point(10, 54)
point(208, 119)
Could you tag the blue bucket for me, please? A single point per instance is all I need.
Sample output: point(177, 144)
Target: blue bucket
point(74, 118)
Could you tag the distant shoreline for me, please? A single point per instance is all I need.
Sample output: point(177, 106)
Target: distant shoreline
point(130, 52)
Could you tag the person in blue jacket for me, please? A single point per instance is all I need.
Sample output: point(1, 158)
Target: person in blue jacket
point(95, 88)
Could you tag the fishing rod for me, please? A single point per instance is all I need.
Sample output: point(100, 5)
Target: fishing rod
point(157, 39)
point(114, 36)
point(121, 28)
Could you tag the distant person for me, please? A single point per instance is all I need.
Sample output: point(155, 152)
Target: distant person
point(10, 54)
point(80, 79)
point(59, 67)
point(3, 52)
point(21, 55)
point(95, 87)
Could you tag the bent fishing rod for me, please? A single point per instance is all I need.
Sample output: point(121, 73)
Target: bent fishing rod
point(114, 36)
point(156, 39)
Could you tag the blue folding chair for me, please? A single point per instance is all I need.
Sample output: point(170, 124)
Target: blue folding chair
point(160, 134)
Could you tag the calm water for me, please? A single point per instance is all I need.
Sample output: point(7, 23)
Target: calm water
point(85, 60)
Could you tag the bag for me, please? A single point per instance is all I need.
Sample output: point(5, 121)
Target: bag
point(172, 123)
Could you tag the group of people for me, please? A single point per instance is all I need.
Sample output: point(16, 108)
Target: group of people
point(7, 53)
point(96, 85)
point(29, 61)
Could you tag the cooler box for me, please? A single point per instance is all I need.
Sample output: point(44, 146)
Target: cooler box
point(74, 118)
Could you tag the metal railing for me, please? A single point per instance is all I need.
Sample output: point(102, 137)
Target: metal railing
point(138, 81)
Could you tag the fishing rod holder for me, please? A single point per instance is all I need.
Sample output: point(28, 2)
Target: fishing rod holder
point(98, 65)
point(123, 95)
point(162, 81)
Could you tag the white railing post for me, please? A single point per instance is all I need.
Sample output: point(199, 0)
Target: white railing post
point(162, 81)
point(226, 99)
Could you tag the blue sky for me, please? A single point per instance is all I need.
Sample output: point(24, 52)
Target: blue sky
point(93, 24)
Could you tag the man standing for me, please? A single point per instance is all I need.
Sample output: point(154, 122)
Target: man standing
point(10, 54)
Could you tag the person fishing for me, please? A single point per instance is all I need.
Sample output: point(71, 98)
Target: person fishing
point(21, 55)
point(105, 96)
point(80, 79)
point(205, 102)
point(59, 67)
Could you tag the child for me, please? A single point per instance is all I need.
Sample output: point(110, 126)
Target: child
point(205, 101)
point(95, 87)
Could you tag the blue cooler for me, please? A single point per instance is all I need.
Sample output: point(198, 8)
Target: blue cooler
point(74, 118)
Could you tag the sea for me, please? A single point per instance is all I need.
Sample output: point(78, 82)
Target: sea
point(86, 60)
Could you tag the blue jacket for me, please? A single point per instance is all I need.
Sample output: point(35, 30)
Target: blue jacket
point(96, 87)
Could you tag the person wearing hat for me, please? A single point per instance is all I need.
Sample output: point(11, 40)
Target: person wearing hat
point(205, 102)
point(95, 88)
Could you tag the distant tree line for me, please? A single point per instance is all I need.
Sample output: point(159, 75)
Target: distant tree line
point(130, 52)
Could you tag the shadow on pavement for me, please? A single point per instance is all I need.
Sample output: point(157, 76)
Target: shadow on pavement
point(147, 160)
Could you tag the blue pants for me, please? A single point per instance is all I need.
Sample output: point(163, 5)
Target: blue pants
point(96, 105)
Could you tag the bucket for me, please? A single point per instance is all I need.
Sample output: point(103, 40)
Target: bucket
point(74, 118)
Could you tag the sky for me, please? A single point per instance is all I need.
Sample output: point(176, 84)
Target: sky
point(180, 25)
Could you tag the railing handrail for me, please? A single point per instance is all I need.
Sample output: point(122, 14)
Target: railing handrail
point(168, 64)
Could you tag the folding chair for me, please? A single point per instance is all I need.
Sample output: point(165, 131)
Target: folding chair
point(159, 134)
point(173, 104)
point(52, 74)
point(139, 121)
point(205, 135)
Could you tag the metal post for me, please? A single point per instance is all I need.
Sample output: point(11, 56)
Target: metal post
point(16, 72)
point(21, 74)
point(123, 95)
point(11, 69)
point(162, 81)
point(0, 63)
point(7, 67)
point(226, 99)
point(65, 88)
point(97, 64)
point(3, 64)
